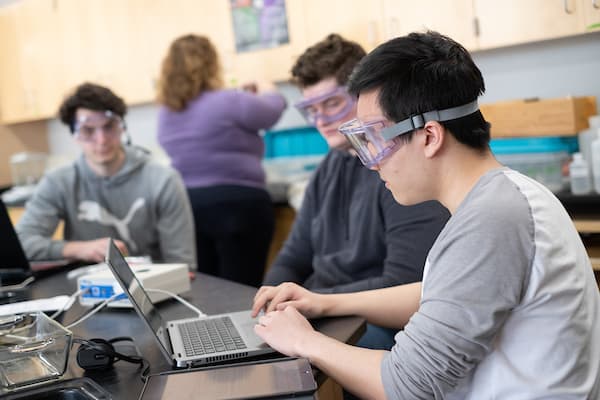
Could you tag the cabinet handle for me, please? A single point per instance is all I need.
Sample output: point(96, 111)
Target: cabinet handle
point(595, 5)
point(566, 6)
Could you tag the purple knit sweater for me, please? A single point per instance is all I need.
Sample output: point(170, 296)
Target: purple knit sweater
point(215, 140)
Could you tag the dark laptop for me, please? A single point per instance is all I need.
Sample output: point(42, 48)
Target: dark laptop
point(14, 266)
point(191, 341)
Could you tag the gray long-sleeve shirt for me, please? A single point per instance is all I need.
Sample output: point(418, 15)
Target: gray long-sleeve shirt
point(144, 204)
point(510, 308)
point(351, 235)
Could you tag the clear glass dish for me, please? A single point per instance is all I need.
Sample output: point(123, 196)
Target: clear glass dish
point(33, 349)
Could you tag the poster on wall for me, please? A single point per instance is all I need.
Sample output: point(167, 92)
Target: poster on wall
point(259, 24)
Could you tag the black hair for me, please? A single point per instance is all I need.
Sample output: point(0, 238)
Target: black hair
point(93, 97)
point(423, 72)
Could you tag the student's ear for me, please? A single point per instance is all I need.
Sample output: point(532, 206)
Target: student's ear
point(434, 138)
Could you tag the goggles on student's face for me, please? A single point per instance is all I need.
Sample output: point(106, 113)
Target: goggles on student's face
point(327, 107)
point(87, 128)
point(374, 141)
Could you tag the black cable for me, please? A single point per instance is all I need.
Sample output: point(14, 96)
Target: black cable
point(99, 354)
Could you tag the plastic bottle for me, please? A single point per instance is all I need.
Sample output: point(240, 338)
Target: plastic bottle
point(596, 161)
point(586, 137)
point(579, 173)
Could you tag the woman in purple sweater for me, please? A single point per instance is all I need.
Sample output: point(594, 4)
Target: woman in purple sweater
point(211, 135)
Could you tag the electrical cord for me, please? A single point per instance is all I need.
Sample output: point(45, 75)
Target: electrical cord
point(69, 302)
point(100, 354)
point(18, 286)
point(181, 300)
point(116, 295)
point(94, 310)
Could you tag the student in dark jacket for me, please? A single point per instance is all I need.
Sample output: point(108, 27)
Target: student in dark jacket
point(349, 234)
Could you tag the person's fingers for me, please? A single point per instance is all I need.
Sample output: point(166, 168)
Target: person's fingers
point(261, 291)
point(284, 294)
point(262, 299)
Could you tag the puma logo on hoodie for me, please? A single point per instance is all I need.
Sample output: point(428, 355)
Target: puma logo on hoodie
point(94, 212)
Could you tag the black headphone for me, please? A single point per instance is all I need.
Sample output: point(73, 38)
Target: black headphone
point(100, 354)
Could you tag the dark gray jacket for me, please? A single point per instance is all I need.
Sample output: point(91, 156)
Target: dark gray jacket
point(351, 235)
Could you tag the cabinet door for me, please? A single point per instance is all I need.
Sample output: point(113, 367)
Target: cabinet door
point(518, 21)
point(591, 14)
point(359, 20)
point(453, 18)
point(13, 100)
point(272, 64)
point(30, 68)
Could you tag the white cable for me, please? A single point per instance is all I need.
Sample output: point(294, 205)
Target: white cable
point(18, 286)
point(114, 296)
point(179, 299)
point(94, 310)
point(69, 302)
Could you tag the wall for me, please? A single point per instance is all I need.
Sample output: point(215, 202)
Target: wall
point(568, 66)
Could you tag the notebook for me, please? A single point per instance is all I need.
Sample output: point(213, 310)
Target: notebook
point(14, 266)
point(191, 341)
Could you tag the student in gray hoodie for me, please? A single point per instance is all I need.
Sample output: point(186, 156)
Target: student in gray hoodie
point(112, 191)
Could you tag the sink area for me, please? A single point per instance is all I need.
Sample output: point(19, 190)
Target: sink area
point(70, 389)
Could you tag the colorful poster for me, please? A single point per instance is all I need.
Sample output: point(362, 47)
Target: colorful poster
point(259, 24)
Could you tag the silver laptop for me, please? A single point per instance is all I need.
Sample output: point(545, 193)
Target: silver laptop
point(191, 341)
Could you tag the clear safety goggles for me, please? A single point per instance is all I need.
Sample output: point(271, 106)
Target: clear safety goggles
point(328, 107)
point(373, 141)
point(89, 127)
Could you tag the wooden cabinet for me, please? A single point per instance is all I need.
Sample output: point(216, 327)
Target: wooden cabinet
point(453, 18)
point(591, 14)
point(30, 72)
point(361, 21)
point(271, 64)
point(50, 46)
point(510, 22)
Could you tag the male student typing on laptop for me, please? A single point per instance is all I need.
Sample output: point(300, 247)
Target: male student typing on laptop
point(112, 190)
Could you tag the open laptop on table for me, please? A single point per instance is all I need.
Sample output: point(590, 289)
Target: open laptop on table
point(14, 266)
point(191, 341)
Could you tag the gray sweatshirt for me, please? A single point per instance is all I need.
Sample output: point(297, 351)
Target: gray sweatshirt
point(509, 309)
point(144, 204)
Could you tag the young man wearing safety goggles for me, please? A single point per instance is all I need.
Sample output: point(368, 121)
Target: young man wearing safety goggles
point(508, 307)
point(112, 190)
point(349, 234)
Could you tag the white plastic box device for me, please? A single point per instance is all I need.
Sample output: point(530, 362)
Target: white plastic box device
point(101, 285)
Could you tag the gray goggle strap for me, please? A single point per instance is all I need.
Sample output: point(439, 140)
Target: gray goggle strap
point(418, 121)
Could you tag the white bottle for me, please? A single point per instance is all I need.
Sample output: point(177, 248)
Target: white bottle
point(586, 137)
point(579, 174)
point(596, 161)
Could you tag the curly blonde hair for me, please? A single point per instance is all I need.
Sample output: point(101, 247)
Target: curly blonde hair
point(190, 67)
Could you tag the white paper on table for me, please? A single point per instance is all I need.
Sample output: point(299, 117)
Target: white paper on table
point(48, 304)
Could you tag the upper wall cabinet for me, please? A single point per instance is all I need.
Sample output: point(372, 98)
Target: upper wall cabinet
point(47, 47)
point(518, 21)
point(453, 18)
point(591, 14)
point(30, 74)
point(270, 64)
point(359, 20)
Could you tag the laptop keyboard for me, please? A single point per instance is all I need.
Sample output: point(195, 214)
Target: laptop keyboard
point(208, 336)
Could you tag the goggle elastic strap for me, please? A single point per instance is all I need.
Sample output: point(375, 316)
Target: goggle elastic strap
point(419, 120)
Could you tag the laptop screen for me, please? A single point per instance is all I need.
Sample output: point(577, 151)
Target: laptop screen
point(13, 262)
point(137, 295)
